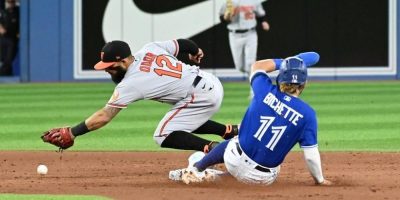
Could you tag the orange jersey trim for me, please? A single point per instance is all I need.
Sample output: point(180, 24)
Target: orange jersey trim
point(117, 105)
point(176, 48)
point(173, 115)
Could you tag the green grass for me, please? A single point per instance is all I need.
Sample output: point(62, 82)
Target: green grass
point(352, 116)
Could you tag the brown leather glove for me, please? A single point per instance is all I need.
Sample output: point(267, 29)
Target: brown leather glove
point(60, 137)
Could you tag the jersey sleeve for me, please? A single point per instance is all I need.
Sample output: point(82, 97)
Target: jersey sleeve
point(170, 46)
point(260, 12)
point(309, 138)
point(123, 96)
point(260, 83)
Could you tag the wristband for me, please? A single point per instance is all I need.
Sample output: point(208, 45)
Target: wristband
point(277, 62)
point(79, 129)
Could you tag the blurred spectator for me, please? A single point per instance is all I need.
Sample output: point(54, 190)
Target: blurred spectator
point(9, 35)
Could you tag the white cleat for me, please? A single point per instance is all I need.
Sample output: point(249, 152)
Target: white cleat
point(191, 174)
point(212, 174)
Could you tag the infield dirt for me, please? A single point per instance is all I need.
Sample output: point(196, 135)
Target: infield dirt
point(144, 175)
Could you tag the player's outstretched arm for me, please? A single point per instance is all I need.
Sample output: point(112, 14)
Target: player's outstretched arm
point(101, 117)
point(310, 58)
point(313, 161)
point(270, 65)
point(64, 137)
point(267, 65)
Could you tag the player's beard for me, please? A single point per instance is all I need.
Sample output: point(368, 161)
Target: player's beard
point(119, 75)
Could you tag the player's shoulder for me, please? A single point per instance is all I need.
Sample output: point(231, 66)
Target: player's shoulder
point(307, 109)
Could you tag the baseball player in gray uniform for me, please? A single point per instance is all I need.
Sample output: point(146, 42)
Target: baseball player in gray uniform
point(154, 73)
point(241, 17)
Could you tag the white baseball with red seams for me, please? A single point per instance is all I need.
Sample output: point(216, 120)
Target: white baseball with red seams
point(42, 169)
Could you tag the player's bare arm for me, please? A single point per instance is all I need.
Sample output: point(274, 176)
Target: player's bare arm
point(270, 65)
point(267, 65)
point(64, 137)
point(101, 117)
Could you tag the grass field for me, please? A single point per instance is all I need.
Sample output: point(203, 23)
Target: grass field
point(353, 116)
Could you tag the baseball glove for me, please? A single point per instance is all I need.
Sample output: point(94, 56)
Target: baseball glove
point(230, 10)
point(60, 137)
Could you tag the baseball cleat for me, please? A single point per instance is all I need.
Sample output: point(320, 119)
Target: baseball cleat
point(176, 175)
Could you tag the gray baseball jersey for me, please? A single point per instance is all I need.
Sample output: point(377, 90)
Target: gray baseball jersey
point(244, 43)
point(156, 74)
point(246, 12)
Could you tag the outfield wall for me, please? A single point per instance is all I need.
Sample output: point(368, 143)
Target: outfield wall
point(55, 38)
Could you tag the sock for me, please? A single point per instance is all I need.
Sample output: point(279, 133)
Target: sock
point(212, 127)
point(215, 156)
point(184, 140)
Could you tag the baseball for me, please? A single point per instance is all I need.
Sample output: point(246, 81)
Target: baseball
point(42, 169)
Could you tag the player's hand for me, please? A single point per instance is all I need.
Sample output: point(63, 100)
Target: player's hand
point(325, 183)
point(2, 30)
point(265, 26)
point(197, 58)
point(228, 16)
point(60, 137)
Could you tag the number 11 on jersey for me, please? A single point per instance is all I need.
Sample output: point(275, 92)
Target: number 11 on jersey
point(277, 131)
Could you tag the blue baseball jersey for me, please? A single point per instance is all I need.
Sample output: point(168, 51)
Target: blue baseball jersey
point(274, 122)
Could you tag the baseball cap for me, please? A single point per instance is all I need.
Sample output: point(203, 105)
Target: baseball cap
point(111, 53)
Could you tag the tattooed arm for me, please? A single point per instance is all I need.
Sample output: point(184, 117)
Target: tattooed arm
point(101, 117)
point(96, 121)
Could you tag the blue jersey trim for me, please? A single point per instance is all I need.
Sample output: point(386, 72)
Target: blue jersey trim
point(256, 73)
point(307, 147)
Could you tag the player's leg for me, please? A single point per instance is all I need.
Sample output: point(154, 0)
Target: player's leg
point(208, 102)
point(250, 50)
point(215, 156)
point(174, 130)
point(191, 114)
point(226, 131)
point(185, 141)
point(236, 43)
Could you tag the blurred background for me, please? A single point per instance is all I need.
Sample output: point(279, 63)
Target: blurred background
point(60, 40)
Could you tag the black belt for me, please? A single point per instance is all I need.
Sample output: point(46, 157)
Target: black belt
point(241, 30)
point(258, 167)
point(196, 81)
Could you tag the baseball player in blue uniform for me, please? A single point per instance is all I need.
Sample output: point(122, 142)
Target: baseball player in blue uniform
point(274, 122)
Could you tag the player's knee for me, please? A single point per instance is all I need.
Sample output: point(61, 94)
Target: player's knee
point(158, 139)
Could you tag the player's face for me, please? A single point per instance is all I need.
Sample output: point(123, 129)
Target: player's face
point(117, 73)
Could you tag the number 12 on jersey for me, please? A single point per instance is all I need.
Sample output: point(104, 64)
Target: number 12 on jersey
point(163, 62)
point(277, 131)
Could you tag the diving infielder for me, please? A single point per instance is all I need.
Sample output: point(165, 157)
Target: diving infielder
point(274, 122)
point(154, 73)
point(241, 17)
